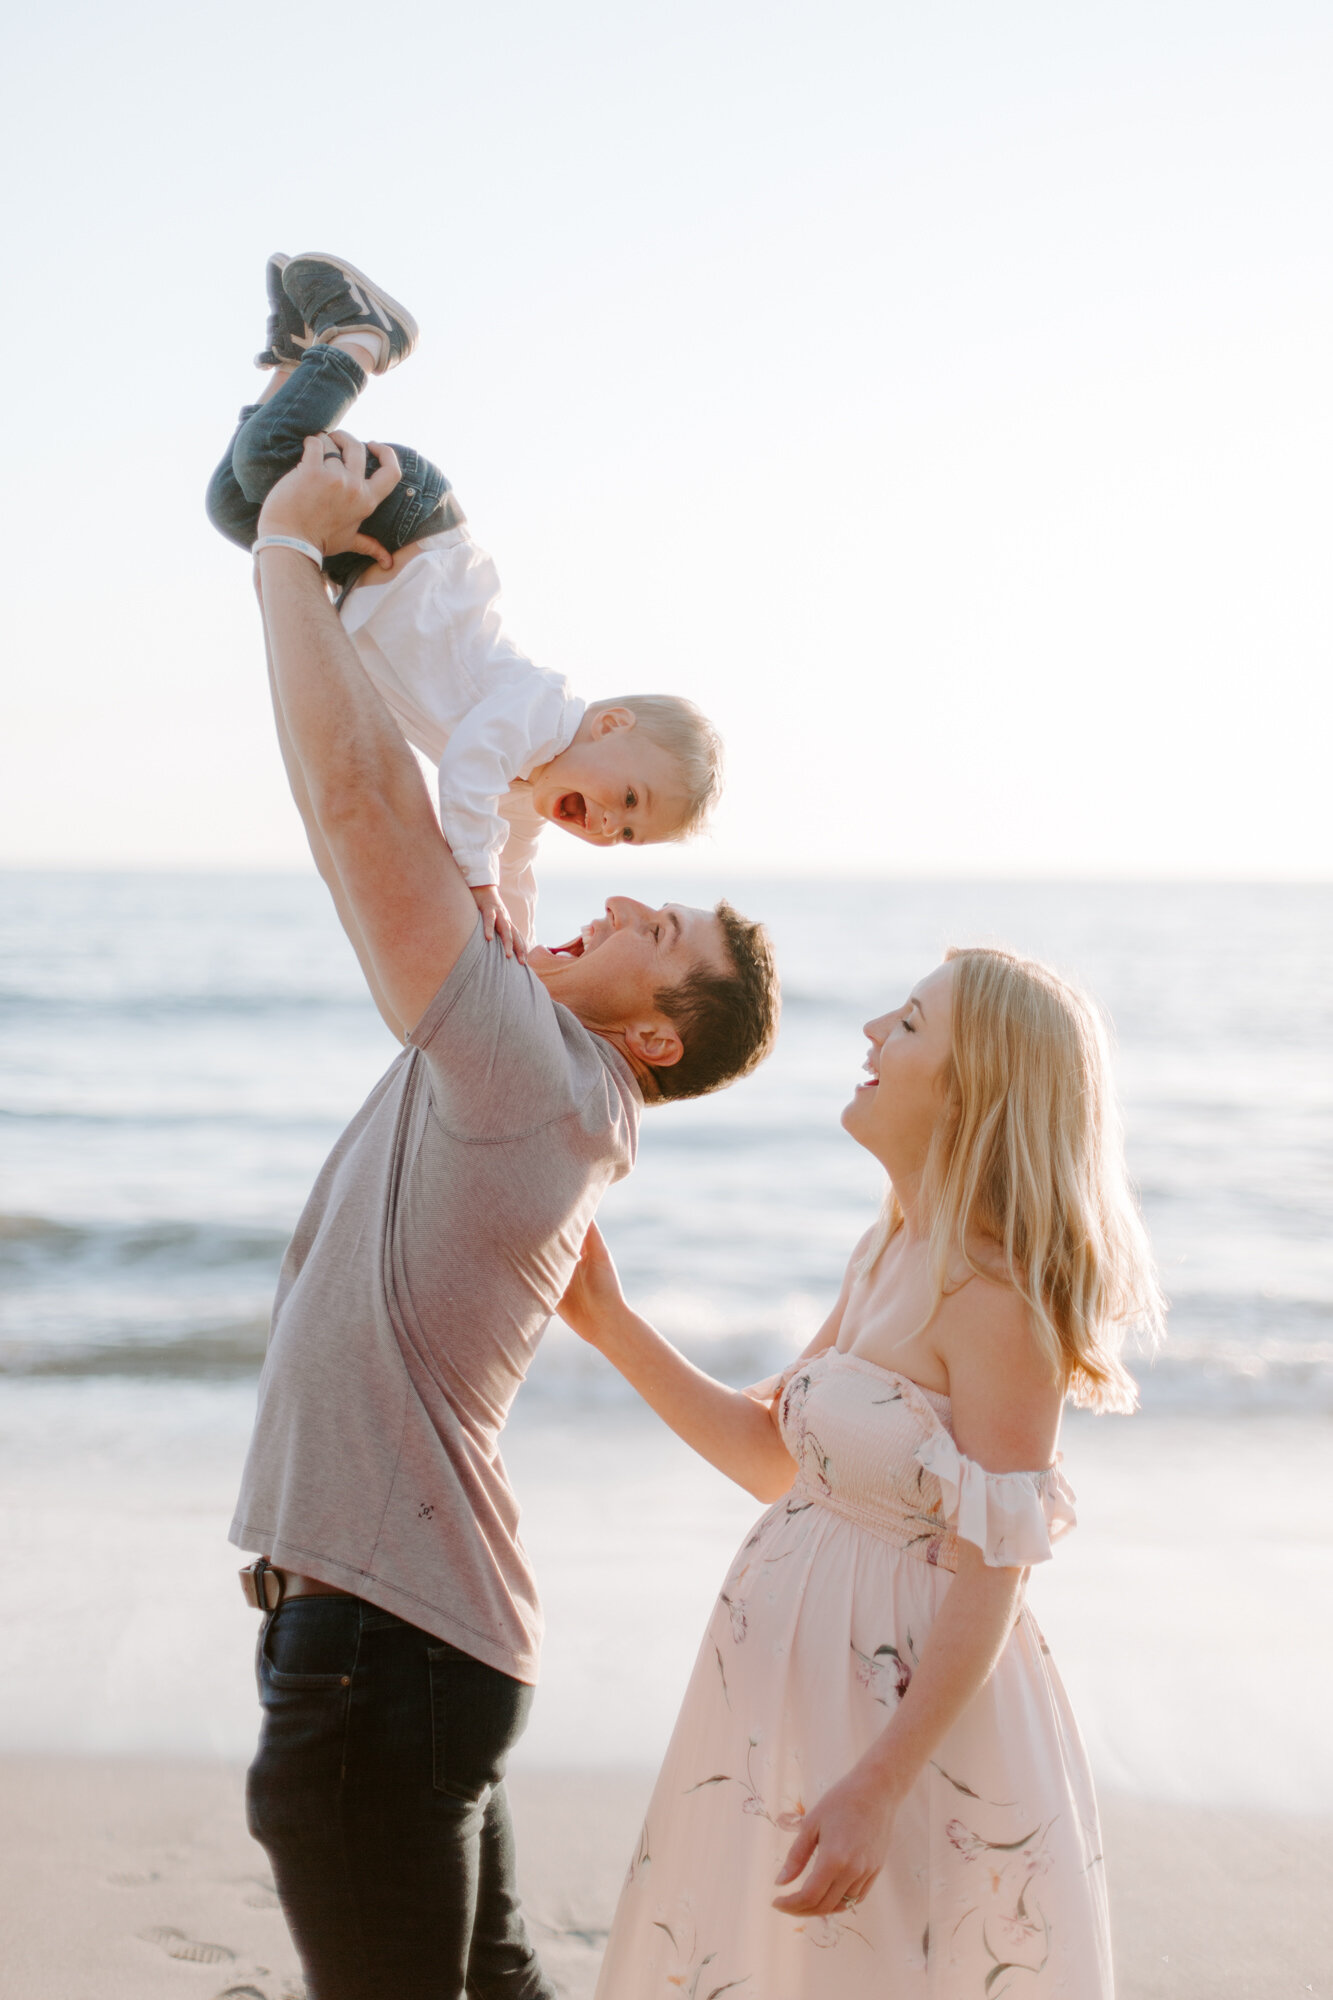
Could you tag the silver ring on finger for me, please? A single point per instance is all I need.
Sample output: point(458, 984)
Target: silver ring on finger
point(849, 1902)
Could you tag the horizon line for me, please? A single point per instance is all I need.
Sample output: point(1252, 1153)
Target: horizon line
point(906, 878)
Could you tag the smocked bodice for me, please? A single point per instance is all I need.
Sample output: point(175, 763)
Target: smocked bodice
point(877, 1449)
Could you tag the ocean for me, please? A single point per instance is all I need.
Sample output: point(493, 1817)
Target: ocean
point(177, 1053)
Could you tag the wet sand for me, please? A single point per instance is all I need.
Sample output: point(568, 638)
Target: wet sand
point(126, 1879)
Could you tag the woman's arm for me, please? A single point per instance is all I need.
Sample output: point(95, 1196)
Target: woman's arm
point(728, 1427)
point(852, 1823)
point(1006, 1414)
point(734, 1429)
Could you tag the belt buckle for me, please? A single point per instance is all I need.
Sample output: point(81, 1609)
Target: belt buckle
point(261, 1584)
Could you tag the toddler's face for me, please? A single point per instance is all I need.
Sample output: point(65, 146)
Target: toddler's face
point(614, 787)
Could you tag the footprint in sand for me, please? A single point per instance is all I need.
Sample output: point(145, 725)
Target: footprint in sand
point(176, 1945)
point(590, 1934)
point(258, 1894)
point(257, 1993)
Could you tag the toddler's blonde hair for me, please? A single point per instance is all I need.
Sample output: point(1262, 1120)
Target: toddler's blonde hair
point(690, 739)
point(1029, 1153)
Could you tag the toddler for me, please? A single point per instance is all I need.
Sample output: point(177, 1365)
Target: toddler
point(514, 747)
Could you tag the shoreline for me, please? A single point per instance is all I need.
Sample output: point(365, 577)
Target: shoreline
point(130, 1878)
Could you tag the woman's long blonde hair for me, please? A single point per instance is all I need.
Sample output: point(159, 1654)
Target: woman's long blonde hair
point(1029, 1155)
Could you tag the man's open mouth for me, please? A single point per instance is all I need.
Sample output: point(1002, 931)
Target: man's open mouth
point(572, 809)
point(586, 939)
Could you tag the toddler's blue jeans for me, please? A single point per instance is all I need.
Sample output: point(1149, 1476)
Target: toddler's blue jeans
point(377, 1791)
point(268, 442)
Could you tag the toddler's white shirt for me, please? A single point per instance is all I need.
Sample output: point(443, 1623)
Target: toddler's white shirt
point(432, 642)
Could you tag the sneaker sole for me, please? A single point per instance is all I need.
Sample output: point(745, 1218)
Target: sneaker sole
point(268, 358)
point(385, 300)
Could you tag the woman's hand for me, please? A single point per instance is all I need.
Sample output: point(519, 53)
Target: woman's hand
point(848, 1833)
point(593, 1295)
point(327, 496)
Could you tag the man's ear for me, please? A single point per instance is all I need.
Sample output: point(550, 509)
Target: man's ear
point(611, 719)
point(654, 1042)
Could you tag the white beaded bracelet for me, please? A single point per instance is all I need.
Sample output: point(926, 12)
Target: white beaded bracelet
point(290, 542)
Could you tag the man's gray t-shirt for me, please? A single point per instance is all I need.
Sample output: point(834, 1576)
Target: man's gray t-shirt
point(435, 1245)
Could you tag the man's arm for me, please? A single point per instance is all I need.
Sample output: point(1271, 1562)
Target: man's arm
point(324, 863)
point(361, 793)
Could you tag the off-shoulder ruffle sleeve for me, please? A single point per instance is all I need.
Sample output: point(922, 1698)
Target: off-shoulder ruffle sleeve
point(1012, 1517)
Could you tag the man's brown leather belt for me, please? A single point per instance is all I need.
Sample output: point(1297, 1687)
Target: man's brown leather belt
point(265, 1588)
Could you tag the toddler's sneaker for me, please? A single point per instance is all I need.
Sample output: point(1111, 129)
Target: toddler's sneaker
point(288, 334)
point(333, 297)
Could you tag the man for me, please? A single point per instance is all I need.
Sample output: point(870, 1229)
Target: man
point(397, 1661)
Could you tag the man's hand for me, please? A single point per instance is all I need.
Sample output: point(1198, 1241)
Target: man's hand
point(327, 496)
point(495, 917)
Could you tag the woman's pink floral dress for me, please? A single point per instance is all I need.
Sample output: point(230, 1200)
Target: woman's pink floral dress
point(993, 1886)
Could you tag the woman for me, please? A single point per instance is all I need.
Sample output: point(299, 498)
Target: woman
point(875, 1786)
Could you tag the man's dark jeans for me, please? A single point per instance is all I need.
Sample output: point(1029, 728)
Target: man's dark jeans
point(269, 440)
point(377, 1792)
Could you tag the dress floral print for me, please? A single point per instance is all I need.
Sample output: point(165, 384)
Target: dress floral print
point(993, 1885)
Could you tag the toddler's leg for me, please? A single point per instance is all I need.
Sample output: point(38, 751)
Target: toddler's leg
point(286, 340)
point(271, 436)
point(347, 326)
point(353, 327)
point(227, 507)
point(316, 396)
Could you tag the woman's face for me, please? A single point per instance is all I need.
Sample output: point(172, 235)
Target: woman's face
point(893, 1115)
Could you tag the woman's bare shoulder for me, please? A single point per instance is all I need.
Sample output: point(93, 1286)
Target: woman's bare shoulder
point(1006, 1397)
point(984, 1296)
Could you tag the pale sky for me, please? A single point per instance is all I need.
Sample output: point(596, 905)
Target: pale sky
point(938, 394)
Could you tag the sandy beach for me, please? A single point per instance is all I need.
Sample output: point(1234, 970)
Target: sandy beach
point(128, 1873)
point(129, 1880)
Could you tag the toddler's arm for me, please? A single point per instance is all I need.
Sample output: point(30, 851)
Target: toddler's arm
point(518, 876)
point(495, 918)
point(516, 727)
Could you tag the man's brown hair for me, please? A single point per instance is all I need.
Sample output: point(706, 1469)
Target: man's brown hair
point(727, 1021)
